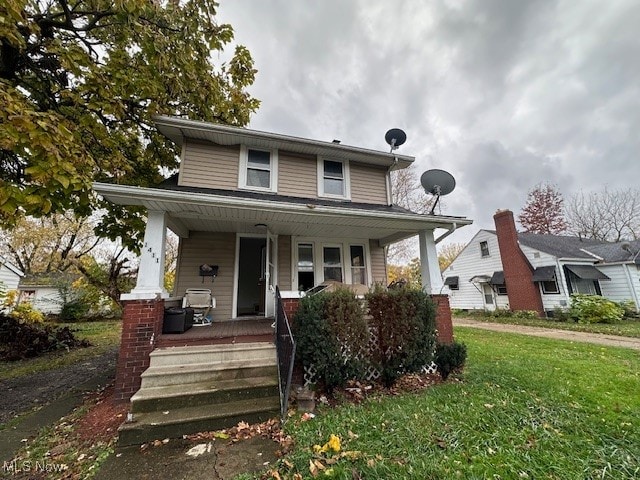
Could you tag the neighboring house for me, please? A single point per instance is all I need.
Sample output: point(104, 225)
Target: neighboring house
point(10, 275)
point(42, 290)
point(269, 211)
point(524, 271)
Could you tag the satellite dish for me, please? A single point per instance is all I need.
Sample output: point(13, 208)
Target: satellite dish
point(395, 137)
point(437, 182)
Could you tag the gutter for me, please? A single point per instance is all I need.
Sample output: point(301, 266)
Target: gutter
point(447, 233)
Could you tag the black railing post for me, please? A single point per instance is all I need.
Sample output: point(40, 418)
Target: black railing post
point(286, 351)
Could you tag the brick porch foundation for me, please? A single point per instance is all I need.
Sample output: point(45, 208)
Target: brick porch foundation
point(444, 325)
point(141, 326)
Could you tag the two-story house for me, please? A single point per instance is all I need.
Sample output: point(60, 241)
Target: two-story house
point(269, 211)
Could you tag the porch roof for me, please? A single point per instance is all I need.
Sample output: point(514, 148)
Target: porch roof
point(177, 129)
point(193, 209)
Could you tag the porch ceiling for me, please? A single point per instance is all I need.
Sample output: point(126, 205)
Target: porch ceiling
point(216, 213)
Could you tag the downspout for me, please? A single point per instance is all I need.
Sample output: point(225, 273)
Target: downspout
point(388, 175)
point(447, 233)
point(633, 290)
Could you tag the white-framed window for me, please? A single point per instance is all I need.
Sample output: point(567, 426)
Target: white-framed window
point(306, 264)
point(484, 249)
point(317, 260)
point(550, 286)
point(332, 263)
point(333, 178)
point(258, 169)
point(358, 264)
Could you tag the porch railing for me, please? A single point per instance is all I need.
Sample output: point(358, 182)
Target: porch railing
point(286, 351)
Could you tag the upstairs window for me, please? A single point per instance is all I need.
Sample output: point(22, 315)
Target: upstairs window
point(484, 249)
point(333, 178)
point(258, 169)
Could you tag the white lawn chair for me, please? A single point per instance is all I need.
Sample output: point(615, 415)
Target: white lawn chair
point(202, 302)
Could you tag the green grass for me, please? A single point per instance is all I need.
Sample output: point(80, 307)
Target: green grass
point(103, 336)
point(525, 408)
point(625, 328)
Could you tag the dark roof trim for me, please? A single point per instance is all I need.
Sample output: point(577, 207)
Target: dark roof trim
point(587, 272)
point(497, 278)
point(544, 274)
point(451, 280)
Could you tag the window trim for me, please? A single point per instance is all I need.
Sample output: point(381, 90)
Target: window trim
point(361, 267)
point(482, 254)
point(345, 174)
point(244, 166)
point(544, 290)
point(318, 260)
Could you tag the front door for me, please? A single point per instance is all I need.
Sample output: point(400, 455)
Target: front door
point(487, 295)
point(251, 281)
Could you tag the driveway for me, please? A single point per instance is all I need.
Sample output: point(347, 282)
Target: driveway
point(595, 338)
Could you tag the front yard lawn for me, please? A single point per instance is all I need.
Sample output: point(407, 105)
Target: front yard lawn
point(104, 336)
point(625, 328)
point(524, 408)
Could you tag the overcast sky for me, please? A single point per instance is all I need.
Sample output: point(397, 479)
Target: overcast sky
point(503, 94)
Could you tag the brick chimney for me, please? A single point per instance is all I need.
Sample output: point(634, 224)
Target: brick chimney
point(523, 293)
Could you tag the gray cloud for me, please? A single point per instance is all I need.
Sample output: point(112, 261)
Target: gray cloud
point(503, 94)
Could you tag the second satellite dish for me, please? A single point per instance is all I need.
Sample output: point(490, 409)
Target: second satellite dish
point(437, 182)
point(395, 137)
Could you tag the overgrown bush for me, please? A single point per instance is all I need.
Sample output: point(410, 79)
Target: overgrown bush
point(22, 340)
point(594, 309)
point(450, 357)
point(629, 308)
point(74, 300)
point(560, 315)
point(25, 312)
point(404, 321)
point(324, 325)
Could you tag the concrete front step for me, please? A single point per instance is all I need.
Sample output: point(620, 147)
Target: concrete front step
point(207, 372)
point(175, 423)
point(170, 397)
point(211, 353)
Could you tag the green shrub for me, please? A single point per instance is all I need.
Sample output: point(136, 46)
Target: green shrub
point(629, 308)
point(323, 325)
point(404, 322)
point(450, 357)
point(20, 340)
point(594, 309)
point(25, 313)
point(560, 315)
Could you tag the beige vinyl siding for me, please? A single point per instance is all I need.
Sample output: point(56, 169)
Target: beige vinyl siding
point(215, 249)
point(368, 184)
point(208, 165)
point(378, 263)
point(284, 262)
point(297, 175)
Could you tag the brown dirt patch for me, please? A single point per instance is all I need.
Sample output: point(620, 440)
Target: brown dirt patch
point(104, 417)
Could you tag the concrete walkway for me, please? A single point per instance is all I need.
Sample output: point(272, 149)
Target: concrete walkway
point(595, 338)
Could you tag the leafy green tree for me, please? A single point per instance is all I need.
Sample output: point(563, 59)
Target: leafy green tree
point(80, 82)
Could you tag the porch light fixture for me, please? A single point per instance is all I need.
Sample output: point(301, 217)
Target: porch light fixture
point(260, 225)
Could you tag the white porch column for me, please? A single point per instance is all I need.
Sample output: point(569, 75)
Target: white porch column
point(150, 282)
point(429, 268)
